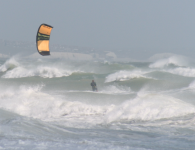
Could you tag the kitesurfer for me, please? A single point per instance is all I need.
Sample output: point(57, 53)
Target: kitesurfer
point(93, 85)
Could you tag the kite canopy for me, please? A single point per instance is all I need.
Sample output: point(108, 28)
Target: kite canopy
point(42, 39)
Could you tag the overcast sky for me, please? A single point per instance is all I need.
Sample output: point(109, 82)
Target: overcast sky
point(160, 25)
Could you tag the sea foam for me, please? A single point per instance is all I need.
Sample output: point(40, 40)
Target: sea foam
point(30, 101)
point(150, 107)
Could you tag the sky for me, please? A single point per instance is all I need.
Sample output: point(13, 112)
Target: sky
point(149, 25)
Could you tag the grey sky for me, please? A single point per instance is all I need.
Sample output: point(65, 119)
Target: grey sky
point(161, 25)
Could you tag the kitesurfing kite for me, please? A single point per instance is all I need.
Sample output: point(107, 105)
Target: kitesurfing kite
point(42, 39)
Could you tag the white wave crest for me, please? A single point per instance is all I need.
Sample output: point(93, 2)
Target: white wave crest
point(149, 107)
point(173, 60)
point(187, 72)
point(42, 71)
point(125, 75)
point(31, 102)
point(9, 64)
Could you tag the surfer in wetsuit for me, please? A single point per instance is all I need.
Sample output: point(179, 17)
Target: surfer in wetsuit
point(93, 85)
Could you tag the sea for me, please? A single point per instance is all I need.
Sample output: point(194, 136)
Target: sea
point(48, 104)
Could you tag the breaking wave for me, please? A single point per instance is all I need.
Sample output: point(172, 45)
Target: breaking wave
point(150, 107)
point(31, 102)
point(42, 71)
point(187, 72)
point(9, 64)
point(126, 75)
point(14, 69)
point(166, 62)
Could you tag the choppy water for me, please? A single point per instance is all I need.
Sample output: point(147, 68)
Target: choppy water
point(48, 104)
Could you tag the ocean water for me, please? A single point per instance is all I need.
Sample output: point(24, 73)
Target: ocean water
point(48, 104)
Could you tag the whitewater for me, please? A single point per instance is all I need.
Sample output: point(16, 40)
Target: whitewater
point(48, 104)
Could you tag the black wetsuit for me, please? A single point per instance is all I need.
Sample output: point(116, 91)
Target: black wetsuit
point(93, 84)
